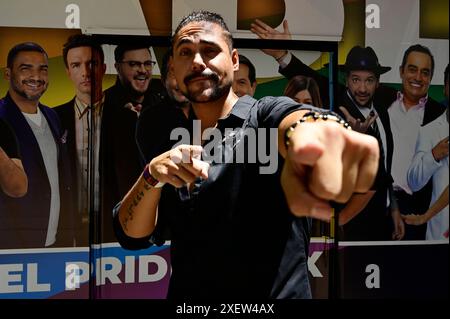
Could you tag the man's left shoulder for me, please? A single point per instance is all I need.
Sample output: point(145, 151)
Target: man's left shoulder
point(46, 108)
point(282, 103)
point(271, 110)
point(432, 103)
point(269, 103)
point(433, 110)
point(275, 100)
point(49, 112)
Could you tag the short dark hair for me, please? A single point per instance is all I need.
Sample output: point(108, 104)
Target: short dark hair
point(120, 50)
point(446, 75)
point(81, 40)
point(251, 68)
point(23, 47)
point(418, 48)
point(206, 16)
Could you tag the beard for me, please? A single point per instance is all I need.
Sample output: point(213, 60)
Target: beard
point(21, 92)
point(216, 91)
point(132, 92)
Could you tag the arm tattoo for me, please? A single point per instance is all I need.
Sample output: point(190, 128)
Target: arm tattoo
point(130, 211)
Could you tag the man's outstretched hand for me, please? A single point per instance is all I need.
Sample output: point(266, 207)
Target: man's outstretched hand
point(356, 124)
point(327, 162)
point(264, 31)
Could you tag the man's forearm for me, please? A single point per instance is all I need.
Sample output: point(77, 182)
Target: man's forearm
point(138, 211)
point(438, 205)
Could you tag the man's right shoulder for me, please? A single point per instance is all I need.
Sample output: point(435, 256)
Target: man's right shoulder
point(3, 102)
point(3, 105)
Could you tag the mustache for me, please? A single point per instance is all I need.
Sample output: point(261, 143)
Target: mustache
point(205, 74)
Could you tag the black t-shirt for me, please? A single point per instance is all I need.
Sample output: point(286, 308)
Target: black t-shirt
point(154, 126)
point(233, 234)
point(8, 140)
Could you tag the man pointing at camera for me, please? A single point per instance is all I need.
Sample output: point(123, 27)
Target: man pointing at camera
point(236, 232)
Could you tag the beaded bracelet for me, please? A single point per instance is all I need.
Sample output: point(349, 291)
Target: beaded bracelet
point(149, 179)
point(313, 116)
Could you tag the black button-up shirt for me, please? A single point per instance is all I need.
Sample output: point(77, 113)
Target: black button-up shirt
point(233, 235)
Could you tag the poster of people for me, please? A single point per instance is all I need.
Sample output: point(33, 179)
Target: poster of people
point(155, 149)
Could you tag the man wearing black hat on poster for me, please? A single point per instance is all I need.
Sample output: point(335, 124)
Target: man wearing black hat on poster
point(362, 73)
point(365, 216)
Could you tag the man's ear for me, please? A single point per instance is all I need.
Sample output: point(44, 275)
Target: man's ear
point(7, 75)
point(235, 59)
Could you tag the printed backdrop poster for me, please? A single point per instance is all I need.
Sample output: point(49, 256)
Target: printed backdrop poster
point(117, 273)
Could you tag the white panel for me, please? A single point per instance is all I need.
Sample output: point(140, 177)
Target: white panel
point(399, 29)
point(226, 8)
point(37, 14)
point(96, 16)
point(114, 17)
point(315, 19)
point(308, 19)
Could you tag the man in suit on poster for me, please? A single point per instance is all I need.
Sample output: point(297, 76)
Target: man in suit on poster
point(133, 92)
point(74, 115)
point(44, 217)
